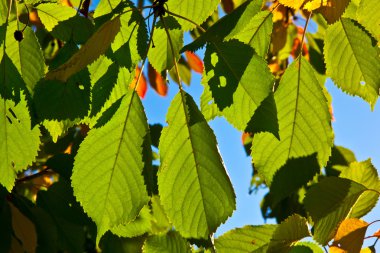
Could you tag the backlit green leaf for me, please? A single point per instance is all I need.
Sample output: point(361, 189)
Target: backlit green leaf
point(306, 247)
point(169, 243)
point(366, 174)
point(161, 56)
point(257, 33)
point(51, 14)
point(328, 203)
point(238, 79)
point(252, 239)
point(192, 179)
point(195, 10)
point(288, 232)
point(350, 50)
point(19, 142)
point(107, 177)
point(304, 122)
point(106, 7)
point(368, 15)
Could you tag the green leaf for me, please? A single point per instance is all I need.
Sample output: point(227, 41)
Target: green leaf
point(192, 178)
point(257, 33)
point(160, 222)
point(340, 159)
point(297, 172)
point(113, 244)
point(306, 247)
point(63, 100)
point(366, 174)
point(20, 143)
point(137, 227)
point(289, 231)
point(229, 24)
point(25, 55)
point(238, 79)
point(130, 43)
point(171, 242)
point(107, 177)
point(105, 7)
point(12, 84)
point(368, 14)
point(89, 52)
point(52, 14)
point(350, 49)
point(328, 203)
point(252, 239)
point(161, 56)
point(78, 29)
point(196, 10)
point(304, 122)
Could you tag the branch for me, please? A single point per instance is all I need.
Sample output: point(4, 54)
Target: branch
point(33, 176)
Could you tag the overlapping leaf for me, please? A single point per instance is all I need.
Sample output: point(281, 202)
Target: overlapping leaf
point(25, 55)
point(19, 142)
point(257, 33)
point(107, 177)
point(51, 14)
point(365, 174)
point(106, 7)
point(332, 10)
point(246, 239)
point(304, 122)
point(303, 247)
point(161, 55)
point(89, 52)
point(171, 242)
point(350, 235)
point(328, 203)
point(238, 79)
point(368, 15)
point(350, 50)
point(195, 10)
point(291, 230)
point(192, 179)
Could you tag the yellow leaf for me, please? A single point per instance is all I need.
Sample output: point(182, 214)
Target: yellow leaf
point(350, 235)
point(295, 4)
point(366, 250)
point(89, 52)
point(334, 249)
point(24, 231)
point(315, 4)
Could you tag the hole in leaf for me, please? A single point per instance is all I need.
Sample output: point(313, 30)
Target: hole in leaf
point(362, 83)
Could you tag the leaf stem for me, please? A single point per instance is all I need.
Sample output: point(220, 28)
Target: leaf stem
point(184, 18)
point(33, 176)
point(304, 33)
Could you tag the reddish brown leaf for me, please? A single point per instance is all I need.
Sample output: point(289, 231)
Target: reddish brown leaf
point(142, 86)
point(194, 61)
point(377, 233)
point(228, 6)
point(350, 235)
point(157, 82)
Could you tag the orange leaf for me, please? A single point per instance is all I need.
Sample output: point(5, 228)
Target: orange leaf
point(377, 233)
point(350, 235)
point(334, 249)
point(141, 86)
point(194, 61)
point(157, 82)
point(66, 3)
point(34, 19)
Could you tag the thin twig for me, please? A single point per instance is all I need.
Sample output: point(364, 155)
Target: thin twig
point(33, 176)
point(304, 32)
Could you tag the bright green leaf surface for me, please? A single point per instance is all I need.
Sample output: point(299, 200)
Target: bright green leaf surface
point(257, 33)
point(106, 7)
point(130, 43)
point(195, 10)
point(368, 15)
point(293, 229)
point(25, 55)
point(238, 79)
point(161, 56)
point(252, 239)
point(304, 122)
point(107, 177)
point(139, 226)
point(365, 174)
point(51, 14)
point(169, 243)
point(328, 203)
point(195, 190)
point(19, 142)
point(352, 60)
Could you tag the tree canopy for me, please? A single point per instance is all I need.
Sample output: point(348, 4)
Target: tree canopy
point(82, 170)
